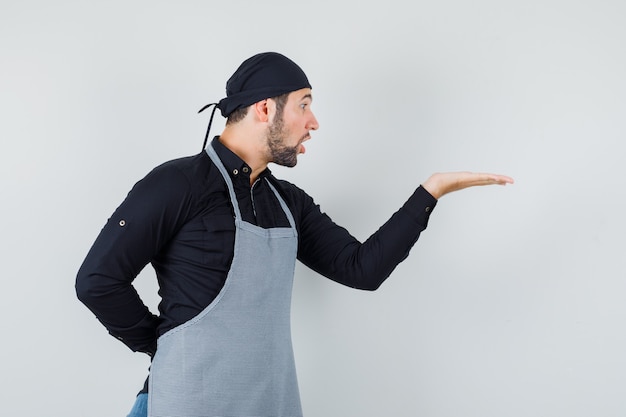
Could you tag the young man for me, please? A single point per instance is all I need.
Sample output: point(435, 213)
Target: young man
point(223, 235)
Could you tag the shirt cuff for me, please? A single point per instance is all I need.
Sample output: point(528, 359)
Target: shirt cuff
point(140, 337)
point(419, 206)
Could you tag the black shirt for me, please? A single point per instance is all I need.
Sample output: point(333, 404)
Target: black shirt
point(179, 218)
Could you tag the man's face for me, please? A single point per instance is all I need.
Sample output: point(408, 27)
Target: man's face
point(290, 128)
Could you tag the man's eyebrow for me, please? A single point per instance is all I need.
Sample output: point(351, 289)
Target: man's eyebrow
point(308, 95)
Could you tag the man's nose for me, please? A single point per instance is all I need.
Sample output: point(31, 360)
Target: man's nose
point(313, 124)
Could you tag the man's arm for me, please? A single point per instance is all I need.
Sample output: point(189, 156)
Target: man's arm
point(330, 249)
point(149, 216)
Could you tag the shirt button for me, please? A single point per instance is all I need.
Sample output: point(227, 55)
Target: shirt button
point(245, 169)
point(427, 209)
point(122, 223)
point(235, 172)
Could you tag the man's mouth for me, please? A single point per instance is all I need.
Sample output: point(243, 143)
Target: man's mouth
point(302, 149)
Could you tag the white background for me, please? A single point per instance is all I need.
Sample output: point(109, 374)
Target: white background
point(512, 302)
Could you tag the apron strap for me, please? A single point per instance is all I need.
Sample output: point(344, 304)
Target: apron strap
point(292, 222)
point(229, 183)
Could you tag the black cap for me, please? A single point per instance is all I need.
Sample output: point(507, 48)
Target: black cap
point(265, 75)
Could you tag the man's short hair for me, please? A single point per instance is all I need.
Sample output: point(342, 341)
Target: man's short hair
point(241, 113)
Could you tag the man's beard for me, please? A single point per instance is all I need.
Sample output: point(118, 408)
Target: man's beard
point(279, 153)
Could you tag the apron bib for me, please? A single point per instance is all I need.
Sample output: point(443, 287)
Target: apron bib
point(235, 358)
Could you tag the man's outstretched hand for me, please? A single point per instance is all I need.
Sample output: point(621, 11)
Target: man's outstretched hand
point(442, 183)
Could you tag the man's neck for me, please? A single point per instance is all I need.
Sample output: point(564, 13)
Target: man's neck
point(247, 148)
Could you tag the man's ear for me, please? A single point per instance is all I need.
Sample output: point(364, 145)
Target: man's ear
point(262, 109)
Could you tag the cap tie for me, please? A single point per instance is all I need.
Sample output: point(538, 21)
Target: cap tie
point(206, 137)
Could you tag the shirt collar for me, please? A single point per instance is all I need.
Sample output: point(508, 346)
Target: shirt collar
point(235, 166)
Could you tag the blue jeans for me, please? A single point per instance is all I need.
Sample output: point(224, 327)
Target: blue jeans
point(140, 408)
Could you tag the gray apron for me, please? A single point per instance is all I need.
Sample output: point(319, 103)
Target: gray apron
point(235, 358)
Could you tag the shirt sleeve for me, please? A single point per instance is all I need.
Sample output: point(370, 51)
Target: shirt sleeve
point(332, 251)
point(149, 216)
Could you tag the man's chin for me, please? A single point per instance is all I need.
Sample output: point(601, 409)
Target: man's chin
point(288, 164)
point(287, 159)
